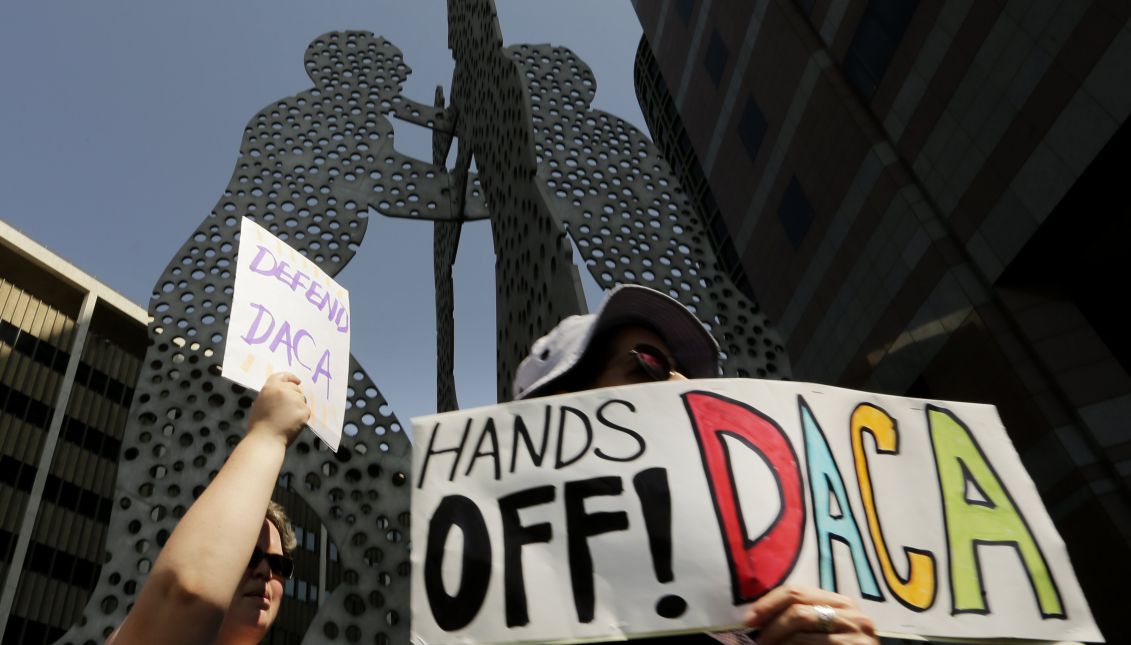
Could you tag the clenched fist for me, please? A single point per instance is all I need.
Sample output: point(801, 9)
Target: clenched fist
point(280, 410)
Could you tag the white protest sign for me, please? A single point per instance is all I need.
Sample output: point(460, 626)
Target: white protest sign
point(288, 315)
point(671, 506)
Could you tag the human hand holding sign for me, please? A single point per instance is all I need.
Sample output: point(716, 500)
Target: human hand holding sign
point(280, 411)
point(797, 614)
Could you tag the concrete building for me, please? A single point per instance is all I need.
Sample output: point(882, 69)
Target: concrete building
point(927, 199)
point(70, 351)
point(70, 354)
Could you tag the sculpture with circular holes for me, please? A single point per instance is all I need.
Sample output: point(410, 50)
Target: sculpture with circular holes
point(620, 202)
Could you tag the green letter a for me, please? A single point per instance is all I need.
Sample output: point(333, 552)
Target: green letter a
point(991, 519)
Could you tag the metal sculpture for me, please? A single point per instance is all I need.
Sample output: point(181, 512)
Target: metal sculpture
point(619, 200)
point(310, 167)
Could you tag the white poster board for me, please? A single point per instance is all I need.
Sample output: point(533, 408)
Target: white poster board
point(670, 507)
point(289, 316)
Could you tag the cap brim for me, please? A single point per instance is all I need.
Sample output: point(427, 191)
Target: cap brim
point(696, 352)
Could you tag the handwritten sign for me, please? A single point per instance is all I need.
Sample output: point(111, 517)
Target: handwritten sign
point(669, 507)
point(288, 315)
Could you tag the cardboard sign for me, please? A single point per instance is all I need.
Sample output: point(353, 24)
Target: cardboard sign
point(289, 316)
point(669, 507)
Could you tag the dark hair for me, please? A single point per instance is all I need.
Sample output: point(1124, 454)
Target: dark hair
point(278, 516)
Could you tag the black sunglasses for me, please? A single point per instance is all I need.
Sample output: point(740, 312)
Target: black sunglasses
point(280, 565)
point(653, 361)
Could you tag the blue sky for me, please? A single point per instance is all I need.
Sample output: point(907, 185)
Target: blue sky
point(121, 120)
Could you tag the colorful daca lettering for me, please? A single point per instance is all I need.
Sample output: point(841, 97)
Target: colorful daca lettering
point(917, 589)
point(763, 563)
point(969, 524)
point(991, 519)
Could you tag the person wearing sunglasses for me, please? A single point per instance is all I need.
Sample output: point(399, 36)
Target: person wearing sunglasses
point(639, 335)
point(219, 577)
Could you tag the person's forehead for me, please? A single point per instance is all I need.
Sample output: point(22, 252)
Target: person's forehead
point(269, 539)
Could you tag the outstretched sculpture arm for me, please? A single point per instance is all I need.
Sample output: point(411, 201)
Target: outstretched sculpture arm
point(403, 186)
point(429, 116)
point(196, 575)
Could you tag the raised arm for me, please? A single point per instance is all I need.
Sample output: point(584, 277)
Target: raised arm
point(193, 580)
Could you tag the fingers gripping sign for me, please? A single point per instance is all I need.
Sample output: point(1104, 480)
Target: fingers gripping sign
point(793, 613)
point(281, 408)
